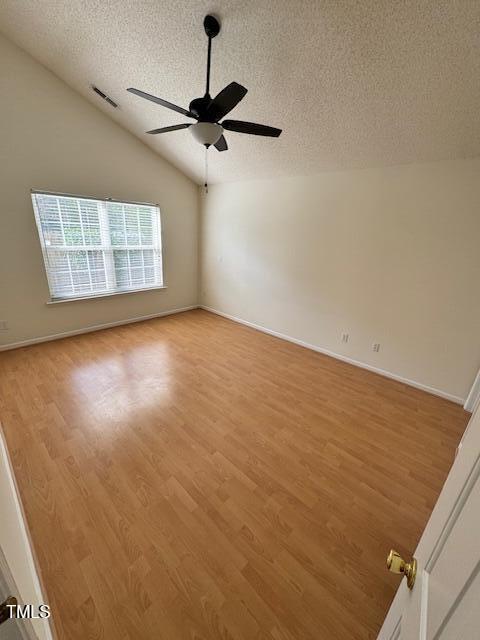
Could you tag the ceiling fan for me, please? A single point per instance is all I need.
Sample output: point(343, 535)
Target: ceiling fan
point(209, 111)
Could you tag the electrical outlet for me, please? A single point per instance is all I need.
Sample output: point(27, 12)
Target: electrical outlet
point(376, 347)
point(3, 325)
point(345, 337)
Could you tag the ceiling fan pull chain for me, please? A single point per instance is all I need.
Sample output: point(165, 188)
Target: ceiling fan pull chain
point(206, 170)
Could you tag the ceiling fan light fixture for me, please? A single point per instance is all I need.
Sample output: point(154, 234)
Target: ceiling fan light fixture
point(206, 133)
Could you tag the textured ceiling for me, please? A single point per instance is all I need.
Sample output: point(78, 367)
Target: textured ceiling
point(352, 84)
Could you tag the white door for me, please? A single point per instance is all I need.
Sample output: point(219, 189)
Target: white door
point(473, 399)
point(11, 629)
point(18, 573)
point(444, 603)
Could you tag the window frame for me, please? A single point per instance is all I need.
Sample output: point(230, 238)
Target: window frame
point(100, 294)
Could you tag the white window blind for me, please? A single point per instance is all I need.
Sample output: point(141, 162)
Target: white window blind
point(96, 247)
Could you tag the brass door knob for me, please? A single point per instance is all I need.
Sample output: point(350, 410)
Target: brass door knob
point(396, 564)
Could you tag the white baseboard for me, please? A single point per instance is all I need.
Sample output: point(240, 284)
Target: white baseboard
point(338, 356)
point(97, 327)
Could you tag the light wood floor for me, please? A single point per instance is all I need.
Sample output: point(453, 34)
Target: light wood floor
point(190, 478)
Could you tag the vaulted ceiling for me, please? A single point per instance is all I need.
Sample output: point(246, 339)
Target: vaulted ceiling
point(352, 84)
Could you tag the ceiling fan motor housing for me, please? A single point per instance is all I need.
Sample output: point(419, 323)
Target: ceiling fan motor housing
point(199, 106)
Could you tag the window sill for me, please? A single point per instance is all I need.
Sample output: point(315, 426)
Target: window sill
point(105, 295)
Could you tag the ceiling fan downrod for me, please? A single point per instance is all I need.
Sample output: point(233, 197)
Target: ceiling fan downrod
point(212, 29)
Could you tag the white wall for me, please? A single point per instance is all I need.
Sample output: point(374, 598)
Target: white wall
point(387, 255)
point(52, 138)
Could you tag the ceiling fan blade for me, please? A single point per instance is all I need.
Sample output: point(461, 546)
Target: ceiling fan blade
point(225, 101)
point(174, 127)
point(221, 144)
point(251, 127)
point(163, 103)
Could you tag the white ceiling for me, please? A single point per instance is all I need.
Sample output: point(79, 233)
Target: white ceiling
point(351, 84)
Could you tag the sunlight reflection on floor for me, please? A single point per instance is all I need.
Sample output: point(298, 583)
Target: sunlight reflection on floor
point(127, 383)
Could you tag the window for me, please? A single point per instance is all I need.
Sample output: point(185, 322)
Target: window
point(98, 247)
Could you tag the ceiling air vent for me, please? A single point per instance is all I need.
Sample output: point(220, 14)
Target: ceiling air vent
point(104, 96)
